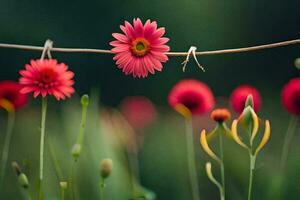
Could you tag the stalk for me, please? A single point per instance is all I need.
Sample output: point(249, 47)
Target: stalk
point(222, 166)
point(42, 142)
point(8, 136)
point(287, 141)
point(191, 159)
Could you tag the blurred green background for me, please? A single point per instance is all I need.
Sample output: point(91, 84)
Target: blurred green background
point(207, 24)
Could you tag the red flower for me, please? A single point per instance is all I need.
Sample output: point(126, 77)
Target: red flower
point(220, 115)
point(10, 91)
point(138, 111)
point(194, 95)
point(239, 96)
point(290, 96)
point(47, 77)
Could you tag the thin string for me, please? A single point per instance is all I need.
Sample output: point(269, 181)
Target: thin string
point(102, 51)
point(46, 49)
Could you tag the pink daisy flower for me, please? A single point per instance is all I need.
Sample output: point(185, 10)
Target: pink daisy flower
point(141, 49)
point(47, 77)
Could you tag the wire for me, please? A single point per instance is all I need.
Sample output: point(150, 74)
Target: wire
point(102, 51)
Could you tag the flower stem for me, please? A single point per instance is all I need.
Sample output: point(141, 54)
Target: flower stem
point(62, 193)
point(222, 166)
point(72, 180)
point(54, 159)
point(101, 189)
point(8, 135)
point(287, 141)
point(42, 141)
point(252, 161)
point(251, 174)
point(132, 163)
point(77, 147)
point(191, 159)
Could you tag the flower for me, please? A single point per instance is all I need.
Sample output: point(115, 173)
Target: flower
point(10, 93)
point(220, 115)
point(239, 96)
point(193, 95)
point(290, 96)
point(255, 128)
point(139, 111)
point(47, 77)
point(140, 49)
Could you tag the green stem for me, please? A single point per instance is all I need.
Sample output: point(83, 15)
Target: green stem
point(222, 166)
point(62, 193)
point(54, 159)
point(26, 194)
point(72, 180)
point(76, 152)
point(251, 174)
point(191, 159)
point(134, 165)
point(8, 136)
point(132, 170)
point(42, 141)
point(101, 189)
point(287, 141)
point(29, 196)
point(82, 125)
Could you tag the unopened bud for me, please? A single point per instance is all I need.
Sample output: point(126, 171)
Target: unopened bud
point(85, 100)
point(297, 63)
point(106, 167)
point(220, 115)
point(246, 115)
point(249, 101)
point(22, 178)
point(63, 185)
point(76, 150)
point(23, 181)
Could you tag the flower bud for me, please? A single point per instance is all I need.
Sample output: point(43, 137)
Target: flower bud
point(246, 117)
point(85, 100)
point(297, 63)
point(63, 185)
point(76, 150)
point(106, 167)
point(249, 101)
point(220, 115)
point(22, 178)
point(23, 181)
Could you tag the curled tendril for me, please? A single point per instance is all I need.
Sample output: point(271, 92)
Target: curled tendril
point(210, 175)
point(255, 124)
point(206, 148)
point(265, 137)
point(235, 135)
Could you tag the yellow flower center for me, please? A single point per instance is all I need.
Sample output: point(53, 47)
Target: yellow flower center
point(140, 47)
